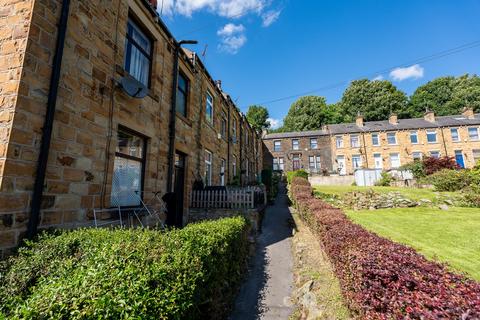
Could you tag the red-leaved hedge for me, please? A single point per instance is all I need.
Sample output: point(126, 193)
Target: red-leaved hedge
point(381, 279)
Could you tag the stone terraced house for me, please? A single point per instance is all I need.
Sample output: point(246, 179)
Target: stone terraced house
point(342, 148)
point(72, 140)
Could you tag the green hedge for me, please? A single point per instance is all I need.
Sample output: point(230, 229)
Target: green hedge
point(118, 274)
point(296, 173)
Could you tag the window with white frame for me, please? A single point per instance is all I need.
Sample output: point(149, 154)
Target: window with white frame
point(277, 145)
point(295, 145)
point(314, 162)
point(435, 154)
point(417, 156)
point(375, 139)
point(431, 136)
point(313, 143)
point(476, 156)
point(234, 166)
point(128, 167)
point(454, 134)
point(473, 133)
point(209, 108)
point(395, 160)
point(392, 138)
point(356, 161)
point(378, 160)
point(223, 125)
point(339, 141)
point(138, 53)
point(278, 164)
point(354, 141)
point(414, 137)
point(208, 168)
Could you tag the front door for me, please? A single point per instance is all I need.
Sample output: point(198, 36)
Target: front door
point(296, 162)
point(459, 158)
point(179, 188)
point(342, 170)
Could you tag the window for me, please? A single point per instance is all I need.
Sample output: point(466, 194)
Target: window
point(138, 54)
point(473, 133)
point(208, 168)
point(354, 141)
point(246, 137)
point(277, 145)
point(296, 162)
point(476, 155)
point(222, 172)
point(182, 94)
point(375, 139)
point(356, 161)
point(417, 156)
point(295, 145)
point(234, 166)
point(129, 163)
point(209, 108)
point(314, 163)
point(394, 160)
point(234, 129)
point(378, 161)
point(455, 135)
point(342, 170)
point(392, 138)
point(431, 136)
point(414, 137)
point(313, 143)
point(223, 125)
point(339, 141)
point(435, 154)
point(278, 164)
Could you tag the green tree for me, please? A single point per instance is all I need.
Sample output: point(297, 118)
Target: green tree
point(257, 117)
point(309, 113)
point(446, 96)
point(375, 100)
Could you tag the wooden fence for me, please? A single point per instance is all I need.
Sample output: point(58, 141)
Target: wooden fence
point(230, 198)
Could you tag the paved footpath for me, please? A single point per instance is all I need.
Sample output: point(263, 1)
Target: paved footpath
point(266, 292)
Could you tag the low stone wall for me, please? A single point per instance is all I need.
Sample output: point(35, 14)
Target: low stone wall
point(331, 180)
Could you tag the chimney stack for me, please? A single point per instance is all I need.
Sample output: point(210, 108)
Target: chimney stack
point(393, 119)
point(429, 116)
point(468, 113)
point(219, 84)
point(359, 120)
point(153, 3)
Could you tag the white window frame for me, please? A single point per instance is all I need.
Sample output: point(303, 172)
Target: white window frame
point(414, 134)
point(458, 139)
point(275, 145)
point(358, 145)
point(470, 134)
point(389, 135)
point(417, 158)
point(378, 156)
point(295, 144)
point(377, 137)
point(397, 158)
point(208, 164)
point(435, 151)
point(339, 142)
point(357, 164)
point(234, 166)
point(429, 132)
point(223, 164)
point(313, 146)
point(209, 104)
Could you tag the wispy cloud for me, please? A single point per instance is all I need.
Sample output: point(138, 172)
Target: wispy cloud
point(232, 38)
point(224, 8)
point(269, 17)
point(412, 72)
point(275, 123)
point(378, 78)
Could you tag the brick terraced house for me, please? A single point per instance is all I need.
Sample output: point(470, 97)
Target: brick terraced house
point(72, 140)
point(342, 148)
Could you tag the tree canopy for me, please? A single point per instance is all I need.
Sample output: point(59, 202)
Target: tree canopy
point(375, 100)
point(310, 113)
point(257, 117)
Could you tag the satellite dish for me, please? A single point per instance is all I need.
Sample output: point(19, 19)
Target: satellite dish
point(133, 87)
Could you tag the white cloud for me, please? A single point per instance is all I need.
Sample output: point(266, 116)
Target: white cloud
point(270, 17)
point(414, 72)
point(378, 78)
point(224, 8)
point(275, 123)
point(232, 38)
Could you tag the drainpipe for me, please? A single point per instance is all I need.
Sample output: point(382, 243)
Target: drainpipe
point(241, 150)
point(228, 145)
point(365, 147)
point(444, 143)
point(37, 194)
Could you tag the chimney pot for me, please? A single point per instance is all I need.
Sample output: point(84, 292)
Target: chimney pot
point(468, 113)
point(429, 116)
point(393, 119)
point(219, 84)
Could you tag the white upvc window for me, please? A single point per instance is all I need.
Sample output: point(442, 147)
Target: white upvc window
point(209, 108)
point(431, 136)
point(314, 162)
point(356, 161)
point(378, 160)
point(375, 139)
point(395, 160)
point(295, 145)
point(414, 137)
point(476, 155)
point(355, 141)
point(313, 143)
point(208, 168)
point(339, 141)
point(278, 164)
point(417, 155)
point(473, 134)
point(277, 145)
point(455, 135)
point(435, 154)
point(392, 138)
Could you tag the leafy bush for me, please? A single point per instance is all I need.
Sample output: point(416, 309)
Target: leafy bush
point(381, 279)
point(433, 165)
point(296, 173)
point(416, 167)
point(450, 180)
point(385, 180)
point(119, 274)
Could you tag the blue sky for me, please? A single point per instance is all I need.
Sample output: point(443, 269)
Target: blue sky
point(265, 50)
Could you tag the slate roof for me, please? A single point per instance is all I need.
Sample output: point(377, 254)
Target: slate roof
point(384, 125)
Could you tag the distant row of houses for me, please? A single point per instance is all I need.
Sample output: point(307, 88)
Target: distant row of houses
point(343, 148)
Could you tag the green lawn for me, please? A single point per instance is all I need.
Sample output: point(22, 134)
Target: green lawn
point(411, 193)
point(451, 236)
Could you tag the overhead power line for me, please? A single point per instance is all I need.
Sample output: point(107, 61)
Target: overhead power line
point(425, 59)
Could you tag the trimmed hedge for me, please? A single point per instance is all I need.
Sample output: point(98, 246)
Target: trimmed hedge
point(381, 279)
point(296, 173)
point(118, 274)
